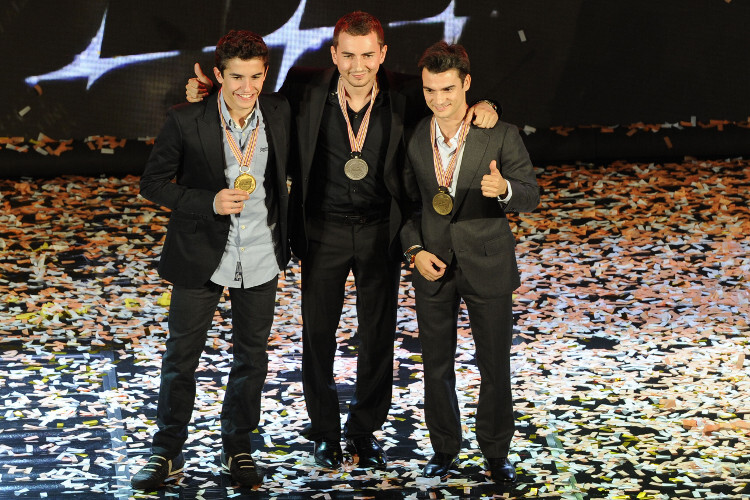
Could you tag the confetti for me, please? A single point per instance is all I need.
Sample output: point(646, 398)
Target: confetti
point(628, 358)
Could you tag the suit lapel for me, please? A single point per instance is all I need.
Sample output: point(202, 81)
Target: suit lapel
point(274, 131)
point(425, 153)
point(308, 130)
point(209, 130)
point(474, 149)
point(398, 109)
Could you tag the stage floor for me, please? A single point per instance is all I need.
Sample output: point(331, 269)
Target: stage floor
point(630, 350)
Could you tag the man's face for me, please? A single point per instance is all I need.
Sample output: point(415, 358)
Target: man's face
point(445, 94)
point(358, 58)
point(241, 83)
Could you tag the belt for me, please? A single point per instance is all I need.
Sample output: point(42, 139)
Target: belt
point(352, 218)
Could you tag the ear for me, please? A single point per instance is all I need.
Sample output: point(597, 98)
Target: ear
point(382, 53)
point(333, 55)
point(467, 82)
point(218, 76)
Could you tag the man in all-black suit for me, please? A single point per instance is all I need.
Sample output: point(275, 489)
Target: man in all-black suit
point(227, 228)
point(463, 180)
point(345, 215)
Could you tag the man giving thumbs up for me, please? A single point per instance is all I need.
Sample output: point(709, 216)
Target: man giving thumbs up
point(458, 237)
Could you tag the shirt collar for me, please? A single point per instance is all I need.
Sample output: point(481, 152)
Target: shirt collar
point(333, 97)
point(440, 138)
point(250, 123)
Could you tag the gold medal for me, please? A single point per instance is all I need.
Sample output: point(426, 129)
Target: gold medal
point(442, 202)
point(245, 182)
point(356, 168)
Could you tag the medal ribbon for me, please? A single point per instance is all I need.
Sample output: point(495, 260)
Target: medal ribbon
point(243, 159)
point(356, 143)
point(445, 176)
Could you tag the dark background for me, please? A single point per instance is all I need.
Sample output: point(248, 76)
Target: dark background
point(595, 62)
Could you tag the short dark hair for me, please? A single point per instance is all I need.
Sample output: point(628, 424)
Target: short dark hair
point(441, 56)
point(240, 44)
point(358, 23)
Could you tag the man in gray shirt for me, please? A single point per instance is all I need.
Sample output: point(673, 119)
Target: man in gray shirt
point(220, 167)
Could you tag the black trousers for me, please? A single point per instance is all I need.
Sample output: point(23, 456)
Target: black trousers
point(334, 249)
point(190, 314)
point(491, 320)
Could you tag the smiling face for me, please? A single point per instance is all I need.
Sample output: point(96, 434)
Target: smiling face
point(358, 59)
point(241, 83)
point(445, 94)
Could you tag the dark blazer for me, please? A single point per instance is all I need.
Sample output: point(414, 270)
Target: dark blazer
point(307, 89)
point(476, 232)
point(189, 150)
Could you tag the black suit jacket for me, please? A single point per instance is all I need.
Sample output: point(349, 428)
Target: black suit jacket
point(306, 89)
point(189, 151)
point(476, 233)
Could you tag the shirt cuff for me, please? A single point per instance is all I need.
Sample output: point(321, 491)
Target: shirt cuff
point(506, 199)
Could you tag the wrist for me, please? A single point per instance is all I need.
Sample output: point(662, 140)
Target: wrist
point(490, 103)
point(411, 253)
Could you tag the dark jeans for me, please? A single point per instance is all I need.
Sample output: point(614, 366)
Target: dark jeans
point(190, 314)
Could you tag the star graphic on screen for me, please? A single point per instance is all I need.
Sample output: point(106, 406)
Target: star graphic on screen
point(294, 40)
point(89, 63)
point(453, 25)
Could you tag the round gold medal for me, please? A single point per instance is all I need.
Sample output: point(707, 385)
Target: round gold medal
point(356, 169)
point(442, 202)
point(245, 182)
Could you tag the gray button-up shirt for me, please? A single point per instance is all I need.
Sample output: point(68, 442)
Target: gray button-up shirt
point(249, 259)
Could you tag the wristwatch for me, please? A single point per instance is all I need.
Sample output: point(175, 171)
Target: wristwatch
point(411, 253)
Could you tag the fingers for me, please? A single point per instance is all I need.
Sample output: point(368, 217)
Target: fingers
point(199, 73)
point(198, 87)
point(480, 120)
point(231, 201)
point(493, 184)
point(195, 90)
point(484, 116)
point(429, 266)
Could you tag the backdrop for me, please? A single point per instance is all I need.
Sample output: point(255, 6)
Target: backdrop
point(72, 69)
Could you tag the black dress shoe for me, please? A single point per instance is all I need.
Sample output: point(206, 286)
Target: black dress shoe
point(158, 468)
point(501, 470)
point(440, 465)
point(328, 453)
point(241, 467)
point(371, 455)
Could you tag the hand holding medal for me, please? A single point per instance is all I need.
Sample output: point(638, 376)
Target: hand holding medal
point(230, 201)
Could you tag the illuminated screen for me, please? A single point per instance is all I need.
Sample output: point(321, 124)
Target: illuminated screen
point(75, 68)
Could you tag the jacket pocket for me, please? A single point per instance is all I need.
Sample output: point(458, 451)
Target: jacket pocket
point(497, 245)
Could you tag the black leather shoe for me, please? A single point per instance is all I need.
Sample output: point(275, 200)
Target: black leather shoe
point(371, 455)
point(328, 454)
point(501, 470)
point(440, 465)
point(158, 468)
point(241, 467)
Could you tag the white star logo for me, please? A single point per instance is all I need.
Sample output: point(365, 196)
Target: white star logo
point(294, 40)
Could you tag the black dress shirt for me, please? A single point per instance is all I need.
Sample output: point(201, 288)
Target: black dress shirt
point(332, 192)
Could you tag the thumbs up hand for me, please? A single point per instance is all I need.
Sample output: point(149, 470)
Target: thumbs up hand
point(493, 184)
point(197, 88)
